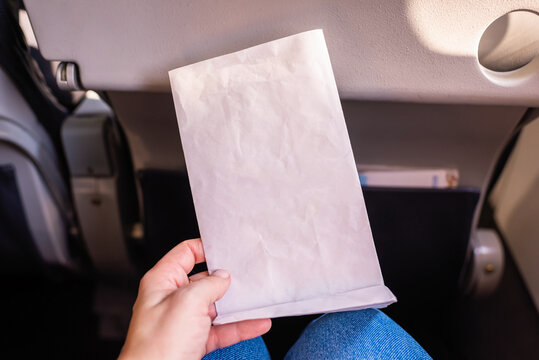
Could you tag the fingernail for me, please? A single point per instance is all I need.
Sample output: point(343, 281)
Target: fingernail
point(221, 273)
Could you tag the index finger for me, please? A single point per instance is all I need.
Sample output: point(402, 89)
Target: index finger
point(171, 271)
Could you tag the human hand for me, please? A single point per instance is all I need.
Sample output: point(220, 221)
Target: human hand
point(173, 313)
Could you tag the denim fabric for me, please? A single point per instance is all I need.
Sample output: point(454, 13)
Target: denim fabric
point(253, 349)
point(365, 334)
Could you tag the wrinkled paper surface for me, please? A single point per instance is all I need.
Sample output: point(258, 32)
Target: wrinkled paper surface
point(274, 181)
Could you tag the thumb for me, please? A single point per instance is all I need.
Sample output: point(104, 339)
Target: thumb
point(211, 288)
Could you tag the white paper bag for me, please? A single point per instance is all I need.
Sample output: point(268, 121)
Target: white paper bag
point(274, 181)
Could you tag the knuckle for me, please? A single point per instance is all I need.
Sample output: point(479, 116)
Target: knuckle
point(145, 280)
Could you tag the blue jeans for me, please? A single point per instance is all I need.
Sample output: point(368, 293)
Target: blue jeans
point(365, 334)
